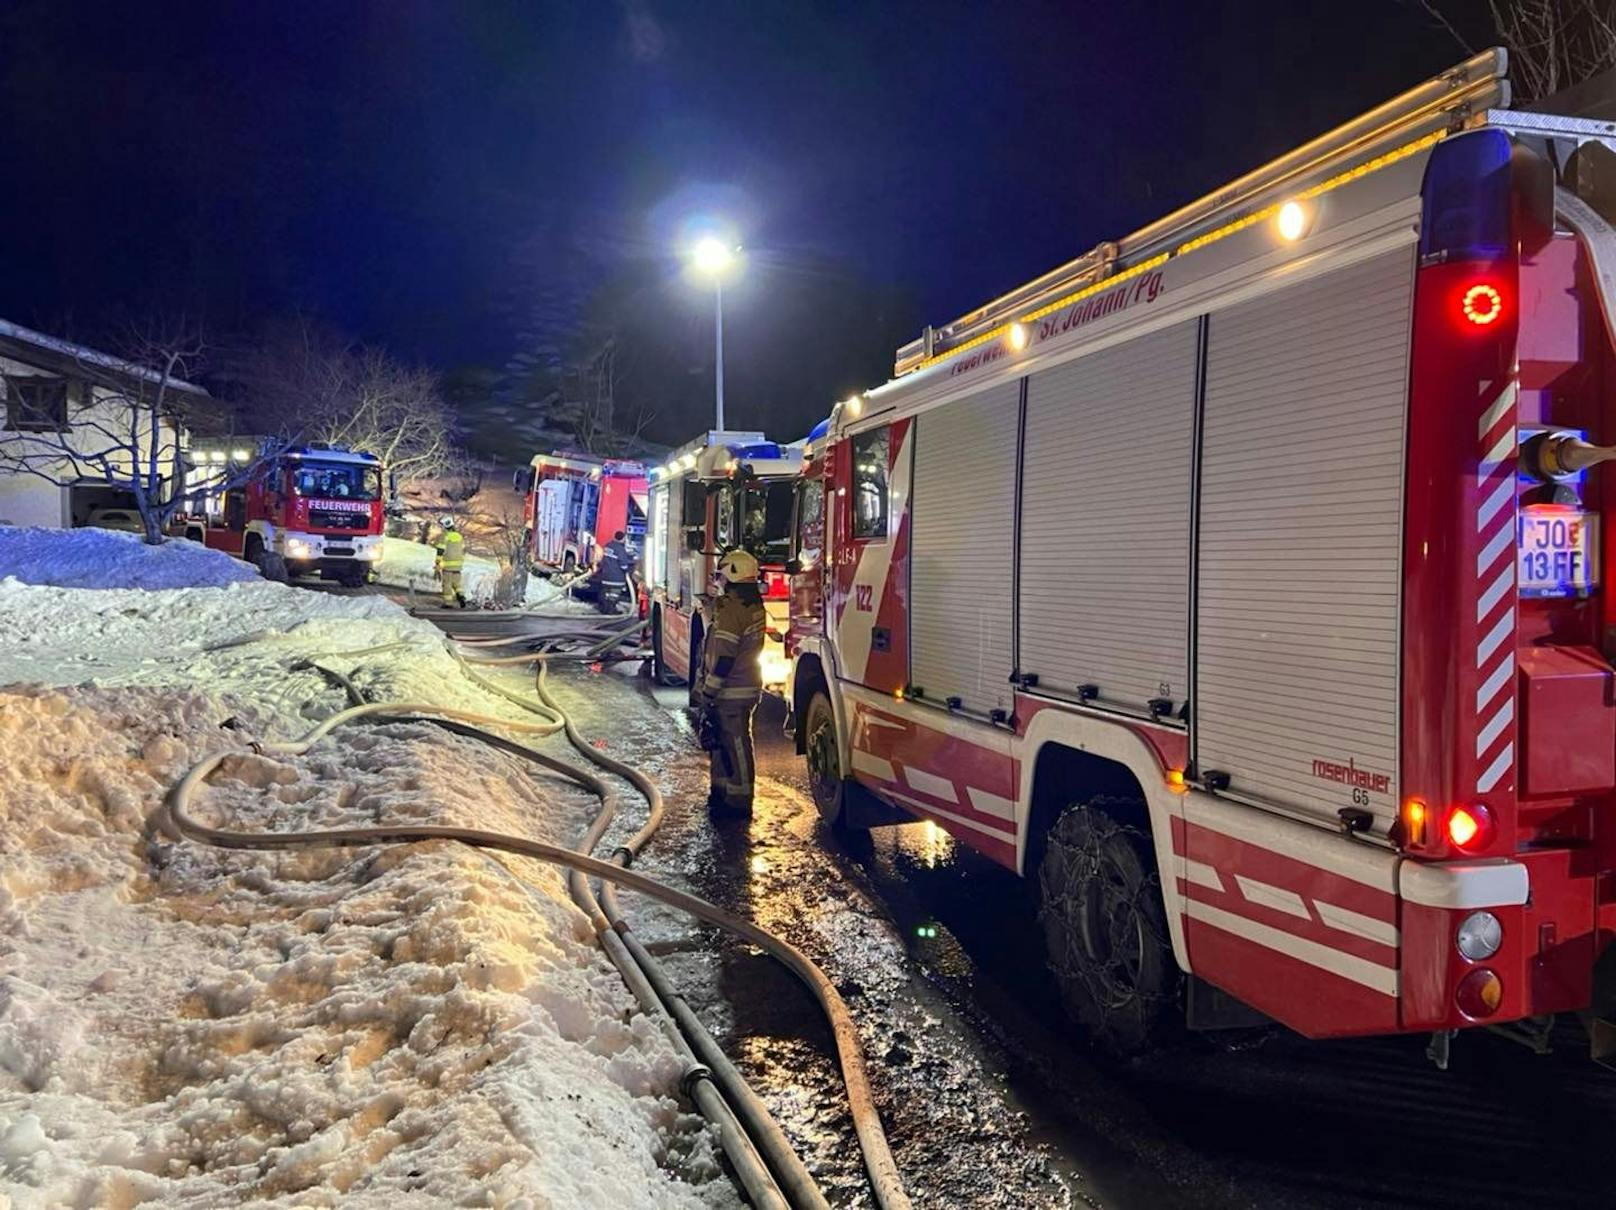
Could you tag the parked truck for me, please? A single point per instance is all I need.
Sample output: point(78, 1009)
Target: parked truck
point(1242, 581)
point(720, 491)
point(315, 510)
point(575, 503)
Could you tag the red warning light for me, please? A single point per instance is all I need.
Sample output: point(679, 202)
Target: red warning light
point(1482, 304)
point(1471, 828)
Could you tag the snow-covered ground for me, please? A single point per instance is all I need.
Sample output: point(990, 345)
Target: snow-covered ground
point(101, 558)
point(411, 1025)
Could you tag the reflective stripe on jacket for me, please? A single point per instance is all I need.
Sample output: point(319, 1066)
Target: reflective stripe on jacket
point(451, 551)
point(731, 650)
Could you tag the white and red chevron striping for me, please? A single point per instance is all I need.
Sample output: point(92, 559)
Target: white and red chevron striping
point(1494, 706)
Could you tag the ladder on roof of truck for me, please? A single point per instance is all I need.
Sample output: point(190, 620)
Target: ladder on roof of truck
point(1444, 104)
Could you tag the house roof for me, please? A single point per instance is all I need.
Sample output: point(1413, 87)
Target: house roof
point(64, 357)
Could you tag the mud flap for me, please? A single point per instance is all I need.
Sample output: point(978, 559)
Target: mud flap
point(1207, 1008)
point(862, 810)
point(1601, 1018)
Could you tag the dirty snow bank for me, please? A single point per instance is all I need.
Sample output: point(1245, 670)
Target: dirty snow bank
point(105, 558)
point(419, 1025)
point(406, 564)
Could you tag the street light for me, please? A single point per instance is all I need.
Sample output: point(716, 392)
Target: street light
point(712, 258)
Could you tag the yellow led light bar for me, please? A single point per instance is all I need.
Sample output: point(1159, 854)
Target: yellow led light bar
point(1200, 241)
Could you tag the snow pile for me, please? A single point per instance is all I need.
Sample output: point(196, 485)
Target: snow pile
point(406, 564)
point(420, 1025)
point(106, 558)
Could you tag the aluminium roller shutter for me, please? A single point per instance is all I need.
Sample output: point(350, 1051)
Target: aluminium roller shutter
point(1105, 522)
point(961, 548)
point(1300, 537)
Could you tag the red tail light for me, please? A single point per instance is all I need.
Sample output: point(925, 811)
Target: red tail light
point(1479, 994)
point(1471, 829)
point(1482, 304)
point(776, 585)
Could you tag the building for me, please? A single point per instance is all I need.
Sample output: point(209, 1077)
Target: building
point(74, 421)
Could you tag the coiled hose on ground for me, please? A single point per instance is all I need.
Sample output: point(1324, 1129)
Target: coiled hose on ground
point(176, 821)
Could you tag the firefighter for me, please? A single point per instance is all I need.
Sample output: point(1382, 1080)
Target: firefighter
point(451, 558)
point(616, 564)
point(732, 683)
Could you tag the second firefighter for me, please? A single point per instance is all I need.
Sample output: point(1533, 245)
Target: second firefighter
point(732, 683)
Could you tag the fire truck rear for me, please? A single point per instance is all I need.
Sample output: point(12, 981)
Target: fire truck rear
point(1241, 581)
point(720, 491)
point(311, 510)
point(575, 504)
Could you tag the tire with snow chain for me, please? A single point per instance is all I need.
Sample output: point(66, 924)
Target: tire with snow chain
point(695, 678)
point(1105, 930)
point(660, 674)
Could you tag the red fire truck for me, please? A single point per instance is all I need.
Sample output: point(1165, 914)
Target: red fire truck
point(576, 503)
point(311, 510)
point(720, 491)
point(1241, 581)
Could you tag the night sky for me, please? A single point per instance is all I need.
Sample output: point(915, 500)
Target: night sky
point(436, 177)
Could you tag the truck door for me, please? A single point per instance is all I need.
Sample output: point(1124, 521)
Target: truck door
point(870, 573)
point(808, 568)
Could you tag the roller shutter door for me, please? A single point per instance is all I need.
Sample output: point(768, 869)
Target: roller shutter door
point(1105, 537)
point(1300, 540)
point(961, 549)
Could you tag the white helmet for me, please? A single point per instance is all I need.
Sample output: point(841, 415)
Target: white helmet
point(446, 522)
point(739, 567)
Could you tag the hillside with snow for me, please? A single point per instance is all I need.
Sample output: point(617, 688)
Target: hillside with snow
point(409, 1025)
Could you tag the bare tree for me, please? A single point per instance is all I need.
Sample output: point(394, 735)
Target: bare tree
point(1552, 44)
point(312, 386)
point(588, 405)
point(117, 420)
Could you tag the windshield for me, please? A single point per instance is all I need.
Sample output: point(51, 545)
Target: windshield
point(337, 480)
point(766, 520)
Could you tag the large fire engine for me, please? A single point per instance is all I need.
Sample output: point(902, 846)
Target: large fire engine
point(311, 510)
point(576, 503)
point(720, 491)
point(1241, 581)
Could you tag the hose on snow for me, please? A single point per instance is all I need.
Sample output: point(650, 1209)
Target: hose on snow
point(698, 1079)
point(176, 821)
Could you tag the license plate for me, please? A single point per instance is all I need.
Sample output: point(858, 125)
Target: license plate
point(1557, 551)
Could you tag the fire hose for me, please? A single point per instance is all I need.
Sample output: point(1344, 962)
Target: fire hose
point(176, 821)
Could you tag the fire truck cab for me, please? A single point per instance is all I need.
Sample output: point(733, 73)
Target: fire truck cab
point(315, 510)
point(720, 491)
point(1246, 582)
point(576, 503)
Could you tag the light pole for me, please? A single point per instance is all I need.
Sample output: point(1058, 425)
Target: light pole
point(712, 258)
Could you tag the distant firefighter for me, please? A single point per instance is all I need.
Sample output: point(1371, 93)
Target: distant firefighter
point(451, 559)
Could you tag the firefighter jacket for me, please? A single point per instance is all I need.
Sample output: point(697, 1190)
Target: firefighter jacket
point(615, 562)
point(451, 551)
point(732, 647)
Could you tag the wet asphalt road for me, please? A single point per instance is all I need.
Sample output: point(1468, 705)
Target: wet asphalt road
point(990, 1097)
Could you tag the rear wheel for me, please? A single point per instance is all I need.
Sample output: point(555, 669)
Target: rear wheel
point(659, 665)
point(1105, 929)
point(825, 779)
point(696, 639)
